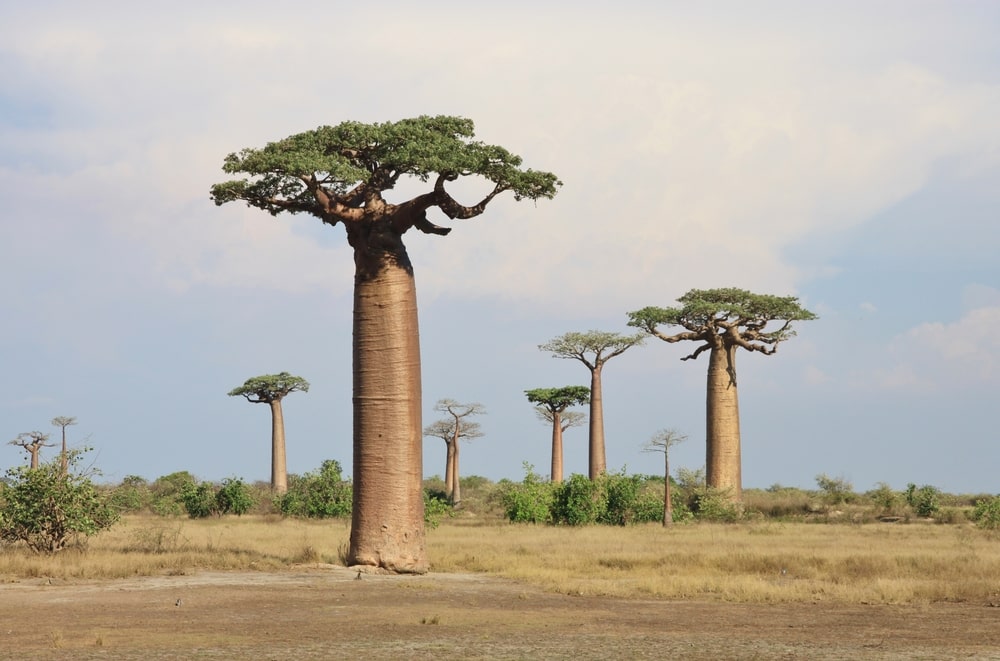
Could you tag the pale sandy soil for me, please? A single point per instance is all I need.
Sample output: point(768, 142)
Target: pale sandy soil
point(324, 612)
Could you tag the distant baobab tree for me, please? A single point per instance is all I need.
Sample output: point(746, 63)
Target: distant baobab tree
point(63, 421)
point(662, 441)
point(32, 442)
point(551, 405)
point(451, 430)
point(593, 349)
point(722, 321)
point(270, 389)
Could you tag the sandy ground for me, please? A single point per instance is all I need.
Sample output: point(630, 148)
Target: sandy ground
point(326, 612)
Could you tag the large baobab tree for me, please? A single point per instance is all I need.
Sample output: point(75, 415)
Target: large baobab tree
point(723, 321)
point(451, 430)
point(270, 389)
point(593, 349)
point(662, 441)
point(340, 175)
point(32, 442)
point(551, 405)
point(64, 421)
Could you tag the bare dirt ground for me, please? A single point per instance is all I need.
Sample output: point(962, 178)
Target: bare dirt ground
point(325, 612)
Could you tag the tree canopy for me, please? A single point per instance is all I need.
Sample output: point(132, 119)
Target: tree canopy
point(333, 172)
point(270, 387)
point(559, 399)
point(734, 316)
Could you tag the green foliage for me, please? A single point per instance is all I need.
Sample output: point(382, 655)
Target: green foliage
point(199, 500)
point(711, 504)
point(168, 493)
point(527, 502)
point(317, 495)
point(132, 495)
point(559, 399)
point(436, 507)
point(603, 344)
point(47, 508)
point(234, 497)
point(883, 497)
point(578, 501)
point(375, 156)
point(986, 513)
point(836, 490)
point(925, 501)
point(270, 387)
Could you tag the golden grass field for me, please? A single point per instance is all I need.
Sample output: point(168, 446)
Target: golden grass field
point(761, 562)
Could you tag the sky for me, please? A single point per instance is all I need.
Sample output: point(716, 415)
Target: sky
point(847, 153)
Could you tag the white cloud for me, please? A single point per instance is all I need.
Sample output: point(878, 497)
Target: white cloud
point(941, 355)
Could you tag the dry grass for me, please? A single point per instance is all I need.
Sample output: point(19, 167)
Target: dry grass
point(761, 562)
point(756, 563)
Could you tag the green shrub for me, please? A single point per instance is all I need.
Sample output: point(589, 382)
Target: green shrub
point(884, 498)
point(527, 502)
point(47, 508)
point(234, 497)
point(199, 500)
point(436, 507)
point(167, 493)
point(925, 501)
point(836, 490)
point(578, 501)
point(711, 504)
point(132, 495)
point(986, 513)
point(319, 495)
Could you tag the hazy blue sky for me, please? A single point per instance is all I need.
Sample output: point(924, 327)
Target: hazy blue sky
point(844, 152)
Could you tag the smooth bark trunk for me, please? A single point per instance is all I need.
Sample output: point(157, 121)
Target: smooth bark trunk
point(449, 470)
point(387, 528)
point(722, 460)
point(668, 506)
point(598, 459)
point(557, 448)
point(456, 484)
point(279, 467)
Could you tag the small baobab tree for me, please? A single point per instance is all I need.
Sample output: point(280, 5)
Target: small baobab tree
point(551, 405)
point(451, 430)
point(344, 175)
point(63, 421)
point(270, 389)
point(662, 441)
point(593, 349)
point(32, 442)
point(723, 321)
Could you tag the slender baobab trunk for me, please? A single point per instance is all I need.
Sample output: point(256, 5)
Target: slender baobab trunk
point(668, 505)
point(34, 457)
point(557, 448)
point(388, 519)
point(279, 467)
point(456, 485)
point(598, 459)
point(449, 470)
point(722, 461)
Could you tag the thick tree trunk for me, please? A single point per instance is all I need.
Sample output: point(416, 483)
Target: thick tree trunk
point(387, 528)
point(598, 458)
point(722, 460)
point(34, 457)
point(279, 467)
point(557, 448)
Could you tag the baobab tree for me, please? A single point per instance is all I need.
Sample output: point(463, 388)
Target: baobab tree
point(63, 422)
point(451, 430)
point(32, 442)
point(593, 349)
point(722, 321)
point(270, 389)
point(551, 407)
point(662, 441)
point(339, 175)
